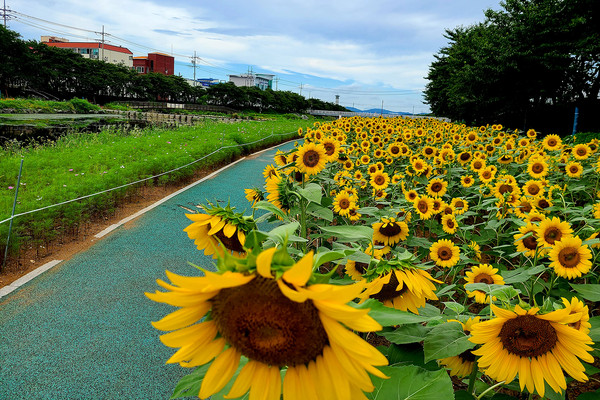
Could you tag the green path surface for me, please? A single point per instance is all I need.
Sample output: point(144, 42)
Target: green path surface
point(82, 330)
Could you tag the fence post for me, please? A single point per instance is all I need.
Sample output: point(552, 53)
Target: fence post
point(12, 215)
point(575, 120)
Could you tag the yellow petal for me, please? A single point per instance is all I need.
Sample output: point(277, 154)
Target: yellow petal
point(263, 262)
point(229, 230)
point(244, 381)
point(358, 320)
point(299, 296)
point(292, 387)
point(216, 227)
point(220, 372)
point(207, 353)
point(300, 273)
point(203, 333)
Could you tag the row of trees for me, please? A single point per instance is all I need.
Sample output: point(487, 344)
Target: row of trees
point(30, 67)
point(527, 65)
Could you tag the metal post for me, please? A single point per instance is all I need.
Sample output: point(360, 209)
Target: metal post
point(12, 214)
point(575, 120)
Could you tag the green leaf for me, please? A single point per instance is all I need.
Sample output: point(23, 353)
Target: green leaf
point(446, 340)
point(254, 239)
point(502, 292)
point(412, 333)
point(265, 205)
point(317, 210)
point(521, 274)
point(349, 233)
point(463, 395)
point(323, 257)
point(412, 382)
point(456, 307)
point(589, 292)
point(387, 316)
point(590, 395)
point(283, 232)
point(311, 192)
point(190, 384)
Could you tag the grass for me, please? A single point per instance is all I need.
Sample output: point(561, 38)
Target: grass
point(49, 107)
point(77, 165)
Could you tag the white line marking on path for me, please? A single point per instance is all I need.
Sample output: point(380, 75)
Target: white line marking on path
point(26, 278)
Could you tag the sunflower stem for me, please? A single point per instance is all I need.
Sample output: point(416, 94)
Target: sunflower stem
point(489, 389)
point(472, 377)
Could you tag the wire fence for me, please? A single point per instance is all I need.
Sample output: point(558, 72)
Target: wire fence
point(143, 180)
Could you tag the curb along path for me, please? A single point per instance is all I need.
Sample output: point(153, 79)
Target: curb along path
point(81, 329)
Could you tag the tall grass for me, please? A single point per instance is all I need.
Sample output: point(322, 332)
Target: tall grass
point(46, 106)
point(81, 164)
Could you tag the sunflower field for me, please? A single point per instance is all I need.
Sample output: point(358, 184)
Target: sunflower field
point(410, 258)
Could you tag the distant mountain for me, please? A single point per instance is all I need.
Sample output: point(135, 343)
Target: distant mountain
point(377, 111)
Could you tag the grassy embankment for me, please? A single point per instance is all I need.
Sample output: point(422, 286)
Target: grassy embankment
point(81, 164)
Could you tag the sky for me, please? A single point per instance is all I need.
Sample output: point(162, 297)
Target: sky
point(371, 53)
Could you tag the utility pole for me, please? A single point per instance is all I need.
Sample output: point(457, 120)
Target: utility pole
point(4, 11)
point(277, 83)
point(301, 85)
point(382, 108)
point(102, 42)
point(194, 64)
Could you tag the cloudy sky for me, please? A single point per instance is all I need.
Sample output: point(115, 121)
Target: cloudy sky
point(367, 52)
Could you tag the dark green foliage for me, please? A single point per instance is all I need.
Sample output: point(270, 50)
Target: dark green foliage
point(527, 65)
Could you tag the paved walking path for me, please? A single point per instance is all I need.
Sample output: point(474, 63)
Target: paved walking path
point(82, 329)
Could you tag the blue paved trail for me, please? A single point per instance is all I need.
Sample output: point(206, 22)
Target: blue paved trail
point(82, 330)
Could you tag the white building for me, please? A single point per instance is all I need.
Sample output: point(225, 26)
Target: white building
point(261, 81)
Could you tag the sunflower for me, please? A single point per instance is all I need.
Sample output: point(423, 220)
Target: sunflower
point(311, 158)
point(343, 202)
point(534, 346)
point(581, 151)
point(466, 181)
point(275, 188)
point(356, 269)
point(462, 364)
point(394, 150)
point(449, 223)
point(552, 142)
point(280, 158)
point(533, 188)
point(537, 168)
point(424, 207)
point(332, 148)
point(412, 195)
point(578, 306)
point(254, 195)
point(437, 187)
point(477, 164)
point(552, 230)
point(406, 289)
point(574, 169)
point(487, 174)
point(276, 323)
point(460, 206)
point(444, 253)
point(483, 273)
point(353, 214)
point(570, 258)
point(389, 231)
point(270, 171)
point(220, 230)
point(526, 241)
point(380, 180)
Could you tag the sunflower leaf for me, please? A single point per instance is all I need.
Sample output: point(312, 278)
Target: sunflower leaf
point(446, 340)
point(326, 256)
point(319, 211)
point(311, 192)
point(190, 384)
point(265, 205)
point(412, 333)
point(424, 385)
point(589, 292)
point(387, 316)
point(349, 233)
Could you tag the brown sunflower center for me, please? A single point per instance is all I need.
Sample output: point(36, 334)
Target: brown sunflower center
point(412, 195)
point(486, 175)
point(264, 325)
point(581, 151)
point(552, 142)
point(311, 158)
point(344, 203)
point(444, 253)
point(437, 187)
point(528, 336)
point(505, 188)
point(230, 243)
point(467, 356)
point(533, 190)
point(380, 179)
point(329, 148)
point(361, 267)
point(543, 203)
point(530, 242)
point(574, 169)
point(422, 206)
point(537, 168)
point(394, 150)
point(569, 257)
point(552, 235)
point(390, 229)
point(525, 207)
point(388, 290)
point(484, 278)
point(450, 223)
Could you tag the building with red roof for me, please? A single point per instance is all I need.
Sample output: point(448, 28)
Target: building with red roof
point(155, 62)
point(94, 50)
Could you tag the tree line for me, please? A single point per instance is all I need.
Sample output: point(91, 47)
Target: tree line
point(529, 64)
point(31, 68)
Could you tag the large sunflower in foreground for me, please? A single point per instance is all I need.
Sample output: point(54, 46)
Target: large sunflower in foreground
point(403, 289)
point(220, 230)
point(570, 258)
point(534, 346)
point(462, 364)
point(552, 230)
point(275, 323)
